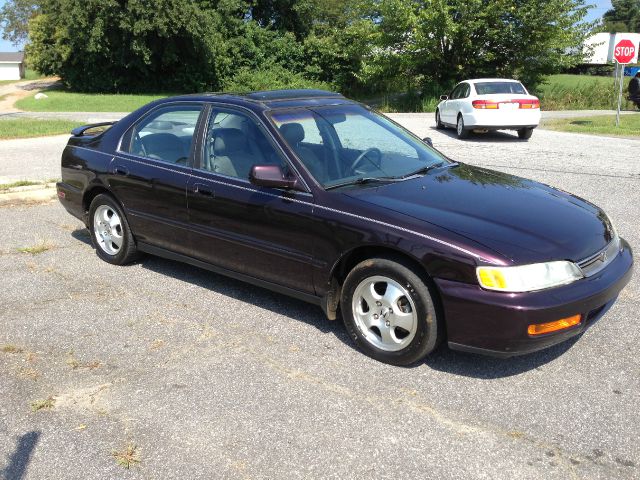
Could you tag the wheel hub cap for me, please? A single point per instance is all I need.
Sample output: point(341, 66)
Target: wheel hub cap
point(384, 313)
point(107, 228)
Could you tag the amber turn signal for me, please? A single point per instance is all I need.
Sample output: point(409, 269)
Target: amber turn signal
point(540, 328)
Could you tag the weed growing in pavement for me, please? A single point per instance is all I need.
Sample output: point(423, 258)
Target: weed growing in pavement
point(45, 404)
point(36, 249)
point(11, 349)
point(127, 457)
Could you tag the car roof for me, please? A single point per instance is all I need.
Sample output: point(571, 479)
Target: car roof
point(477, 80)
point(269, 99)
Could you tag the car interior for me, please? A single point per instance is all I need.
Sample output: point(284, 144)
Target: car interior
point(234, 144)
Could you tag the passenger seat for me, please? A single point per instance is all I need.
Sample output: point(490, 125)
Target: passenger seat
point(231, 155)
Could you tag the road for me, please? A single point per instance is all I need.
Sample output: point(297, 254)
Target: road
point(212, 378)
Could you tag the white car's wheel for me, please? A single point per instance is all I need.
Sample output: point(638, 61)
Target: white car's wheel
point(439, 124)
point(525, 133)
point(460, 128)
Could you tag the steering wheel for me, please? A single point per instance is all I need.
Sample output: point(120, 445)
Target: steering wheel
point(363, 155)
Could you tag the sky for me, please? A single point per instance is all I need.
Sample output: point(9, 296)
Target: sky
point(600, 7)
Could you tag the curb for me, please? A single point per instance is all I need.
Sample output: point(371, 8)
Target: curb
point(28, 195)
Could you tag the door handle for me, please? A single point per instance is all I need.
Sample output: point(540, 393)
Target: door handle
point(118, 170)
point(202, 189)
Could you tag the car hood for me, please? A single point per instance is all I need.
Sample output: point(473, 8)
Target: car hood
point(523, 220)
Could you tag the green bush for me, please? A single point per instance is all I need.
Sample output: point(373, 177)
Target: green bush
point(271, 78)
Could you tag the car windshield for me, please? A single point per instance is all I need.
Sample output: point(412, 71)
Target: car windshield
point(489, 88)
point(349, 144)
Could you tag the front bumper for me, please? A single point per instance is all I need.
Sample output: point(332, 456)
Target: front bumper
point(495, 323)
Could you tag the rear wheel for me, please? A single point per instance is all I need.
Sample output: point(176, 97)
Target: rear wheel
point(460, 128)
point(439, 124)
point(525, 133)
point(110, 232)
point(388, 310)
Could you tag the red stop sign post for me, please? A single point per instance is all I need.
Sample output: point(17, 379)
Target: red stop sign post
point(624, 52)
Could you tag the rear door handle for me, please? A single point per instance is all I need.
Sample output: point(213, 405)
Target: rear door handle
point(202, 189)
point(118, 170)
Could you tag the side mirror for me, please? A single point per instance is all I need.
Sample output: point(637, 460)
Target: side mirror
point(444, 97)
point(271, 176)
point(428, 141)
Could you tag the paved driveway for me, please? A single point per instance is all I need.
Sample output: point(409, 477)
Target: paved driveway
point(212, 378)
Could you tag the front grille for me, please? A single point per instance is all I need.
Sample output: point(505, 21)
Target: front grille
point(599, 260)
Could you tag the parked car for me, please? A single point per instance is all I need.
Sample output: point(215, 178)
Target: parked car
point(489, 104)
point(319, 197)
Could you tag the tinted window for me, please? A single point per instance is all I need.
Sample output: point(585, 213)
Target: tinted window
point(166, 134)
point(489, 88)
point(235, 143)
point(357, 143)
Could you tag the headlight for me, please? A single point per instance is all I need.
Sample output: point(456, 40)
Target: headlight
point(527, 278)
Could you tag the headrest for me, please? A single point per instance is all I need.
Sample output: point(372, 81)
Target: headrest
point(293, 133)
point(228, 140)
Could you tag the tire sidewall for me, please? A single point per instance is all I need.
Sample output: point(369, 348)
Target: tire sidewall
point(461, 133)
point(123, 253)
point(426, 337)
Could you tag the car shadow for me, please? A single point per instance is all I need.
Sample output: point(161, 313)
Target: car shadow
point(491, 136)
point(443, 359)
point(20, 458)
point(489, 368)
point(260, 297)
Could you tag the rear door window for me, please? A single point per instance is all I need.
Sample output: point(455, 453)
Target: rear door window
point(166, 134)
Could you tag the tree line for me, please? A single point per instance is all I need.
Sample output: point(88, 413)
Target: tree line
point(357, 47)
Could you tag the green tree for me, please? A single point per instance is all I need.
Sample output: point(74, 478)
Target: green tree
point(14, 19)
point(623, 17)
point(443, 41)
point(134, 45)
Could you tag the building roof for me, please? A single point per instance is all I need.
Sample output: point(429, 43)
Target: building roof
point(11, 57)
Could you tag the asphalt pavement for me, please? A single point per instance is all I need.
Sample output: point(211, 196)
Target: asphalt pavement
point(207, 377)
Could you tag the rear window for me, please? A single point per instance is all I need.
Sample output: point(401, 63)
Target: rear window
point(489, 88)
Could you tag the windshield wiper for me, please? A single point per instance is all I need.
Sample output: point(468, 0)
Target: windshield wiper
point(423, 170)
point(362, 181)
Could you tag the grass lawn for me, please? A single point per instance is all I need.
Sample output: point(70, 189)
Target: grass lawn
point(32, 127)
point(64, 101)
point(580, 92)
point(600, 125)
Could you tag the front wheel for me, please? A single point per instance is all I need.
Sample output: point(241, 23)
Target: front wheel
point(460, 128)
point(110, 232)
point(389, 311)
point(525, 133)
point(439, 124)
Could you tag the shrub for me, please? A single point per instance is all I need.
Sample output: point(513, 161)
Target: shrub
point(268, 78)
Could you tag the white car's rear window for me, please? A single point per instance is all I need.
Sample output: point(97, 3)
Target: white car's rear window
point(489, 88)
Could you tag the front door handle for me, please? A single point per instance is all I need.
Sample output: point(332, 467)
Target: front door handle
point(118, 170)
point(202, 189)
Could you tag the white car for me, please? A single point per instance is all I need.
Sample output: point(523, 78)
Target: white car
point(489, 104)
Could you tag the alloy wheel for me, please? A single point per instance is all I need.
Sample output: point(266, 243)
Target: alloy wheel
point(385, 313)
point(107, 227)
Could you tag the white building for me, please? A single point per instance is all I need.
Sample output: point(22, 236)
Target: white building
point(11, 65)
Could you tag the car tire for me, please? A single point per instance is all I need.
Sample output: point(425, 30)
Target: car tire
point(460, 128)
point(439, 124)
point(525, 133)
point(110, 232)
point(389, 311)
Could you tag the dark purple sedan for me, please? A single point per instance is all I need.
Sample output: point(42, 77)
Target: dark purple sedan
point(316, 196)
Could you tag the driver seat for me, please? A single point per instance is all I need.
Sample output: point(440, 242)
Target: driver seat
point(293, 133)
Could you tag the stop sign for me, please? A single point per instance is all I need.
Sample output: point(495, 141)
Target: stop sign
point(624, 51)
